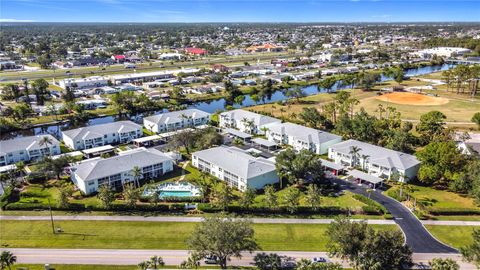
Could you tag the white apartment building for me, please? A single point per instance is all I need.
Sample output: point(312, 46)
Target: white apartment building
point(302, 138)
point(79, 83)
point(99, 135)
point(375, 160)
point(442, 51)
point(236, 167)
point(28, 149)
point(246, 121)
point(176, 120)
point(116, 171)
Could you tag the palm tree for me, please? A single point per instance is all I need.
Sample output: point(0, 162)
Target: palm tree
point(46, 141)
point(7, 259)
point(355, 152)
point(265, 130)
point(53, 110)
point(136, 173)
point(20, 168)
point(364, 160)
point(156, 261)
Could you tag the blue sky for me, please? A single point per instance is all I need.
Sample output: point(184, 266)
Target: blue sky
point(239, 10)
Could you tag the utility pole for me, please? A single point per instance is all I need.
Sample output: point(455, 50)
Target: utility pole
point(51, 216)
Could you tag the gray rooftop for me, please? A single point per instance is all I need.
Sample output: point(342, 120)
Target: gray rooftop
point(96, 131)
point(96, 168)
point(331, 165)
point(238, 133)
point(176, 116)
point(303, 133)
point(264, 142)
point(378, 155)
point(25, 143)
point(258, 119)
point(365, 176)
point(236, 161)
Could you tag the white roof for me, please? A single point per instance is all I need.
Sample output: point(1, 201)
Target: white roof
point(263, 142)
point(8, 168)
point(177, 116)
point(236, 161)
point(378, 155)
point(238, 133)
point(98, 149)
point(303, 133)
point(87, 79)
point(96, 168)
point(25, 143)
point(258, 119)
point(96, 131)
point(365, 176)
point(331, 165)
point(147, 139)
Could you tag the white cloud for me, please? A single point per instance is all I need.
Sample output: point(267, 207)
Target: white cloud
point(14, 20)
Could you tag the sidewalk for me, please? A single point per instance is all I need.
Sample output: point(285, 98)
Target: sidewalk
point(254, 220)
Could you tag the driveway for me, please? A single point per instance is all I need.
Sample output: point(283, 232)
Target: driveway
point(417, 236)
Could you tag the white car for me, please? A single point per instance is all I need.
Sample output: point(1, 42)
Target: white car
point(319, 260)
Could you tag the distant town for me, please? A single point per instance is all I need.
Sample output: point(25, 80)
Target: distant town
point(151, 146)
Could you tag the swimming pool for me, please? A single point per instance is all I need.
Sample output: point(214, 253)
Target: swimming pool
point(181, 189)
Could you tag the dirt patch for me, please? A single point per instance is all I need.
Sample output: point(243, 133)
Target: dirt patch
point(413, 99)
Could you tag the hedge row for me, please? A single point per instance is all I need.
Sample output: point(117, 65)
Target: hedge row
point(328, 210)
point(371, 205)
point(204, 207)
point(453, 211)
point(81, 207)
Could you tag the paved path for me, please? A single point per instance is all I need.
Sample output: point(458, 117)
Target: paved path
point(171, 257)
point(254, 220)
point(417, 236)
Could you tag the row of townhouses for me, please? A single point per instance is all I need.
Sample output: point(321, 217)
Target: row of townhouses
point(31, 148)
point(171, 121)
point(236, 167)
point(377, 161)
point(99, 135)
point(116, 171)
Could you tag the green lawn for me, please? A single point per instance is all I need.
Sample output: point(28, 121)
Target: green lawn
point(456, 236)
point(461, 218)
point(153, 235)
point(440, 199)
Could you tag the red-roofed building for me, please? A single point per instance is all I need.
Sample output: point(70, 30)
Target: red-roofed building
point(195, 51)
point(119, 58)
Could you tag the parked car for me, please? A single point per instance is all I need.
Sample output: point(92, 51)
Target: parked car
point(319, 260)
point(211, 259)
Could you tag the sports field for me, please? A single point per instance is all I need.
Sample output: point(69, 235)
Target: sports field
point(413, 99)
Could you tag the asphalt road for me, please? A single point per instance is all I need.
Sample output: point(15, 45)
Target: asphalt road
point(171, 257)
point(417, 236)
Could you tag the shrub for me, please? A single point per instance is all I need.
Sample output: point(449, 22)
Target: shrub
point(10, 195)
point(373, 206)
point(453, 211)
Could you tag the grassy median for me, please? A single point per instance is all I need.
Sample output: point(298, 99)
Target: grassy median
point(152, 235)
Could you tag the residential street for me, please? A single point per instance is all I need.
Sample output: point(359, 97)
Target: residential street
point(417, 236)
point(171, 257)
